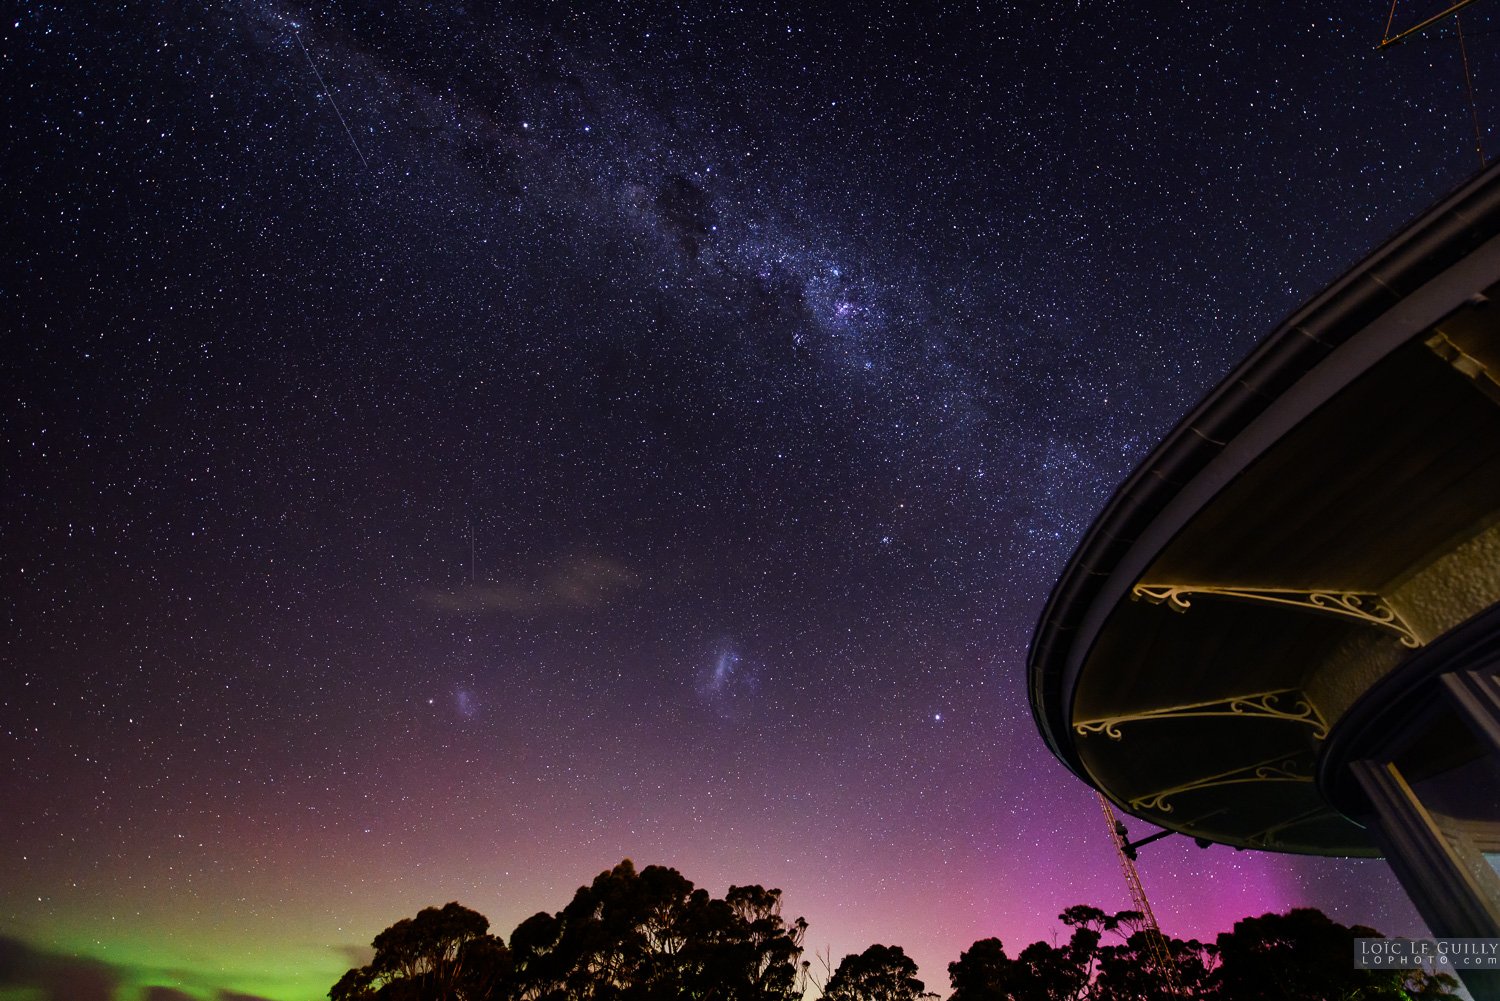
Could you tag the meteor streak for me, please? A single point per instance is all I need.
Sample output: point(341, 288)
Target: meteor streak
point(328, 94)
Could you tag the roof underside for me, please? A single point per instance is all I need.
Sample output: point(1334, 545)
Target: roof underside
point(1201, 698)
point(1397, 471)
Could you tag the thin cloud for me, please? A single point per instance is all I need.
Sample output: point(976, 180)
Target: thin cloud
point(579, 582)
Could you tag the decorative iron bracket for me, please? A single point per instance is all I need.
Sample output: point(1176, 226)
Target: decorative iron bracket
point(1281, 768)
point(1259, 706)
point(1364, 607)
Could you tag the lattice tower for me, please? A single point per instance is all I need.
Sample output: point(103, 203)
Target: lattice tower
point(1160, 953)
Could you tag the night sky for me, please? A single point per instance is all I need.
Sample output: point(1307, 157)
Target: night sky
point(451, 448)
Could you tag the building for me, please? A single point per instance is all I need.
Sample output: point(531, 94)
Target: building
point(1283, 631)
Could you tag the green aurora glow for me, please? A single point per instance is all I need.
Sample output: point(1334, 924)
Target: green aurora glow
point(134, 965)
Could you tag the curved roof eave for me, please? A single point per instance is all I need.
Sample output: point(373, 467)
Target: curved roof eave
point(1424, 248)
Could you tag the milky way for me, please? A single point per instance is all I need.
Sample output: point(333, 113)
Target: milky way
point(450, 450)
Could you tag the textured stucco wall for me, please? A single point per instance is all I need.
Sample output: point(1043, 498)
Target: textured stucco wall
point(1457, 585)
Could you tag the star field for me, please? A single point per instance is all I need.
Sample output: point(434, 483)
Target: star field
point(450, 448)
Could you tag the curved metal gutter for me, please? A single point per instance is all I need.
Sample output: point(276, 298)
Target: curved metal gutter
point(1439, 238)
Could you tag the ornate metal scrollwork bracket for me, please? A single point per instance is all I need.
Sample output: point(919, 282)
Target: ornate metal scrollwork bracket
point(1260, 706)
point(1364, 607)
point(1278, 769)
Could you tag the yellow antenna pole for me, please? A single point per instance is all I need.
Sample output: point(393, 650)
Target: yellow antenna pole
point(1388, 41)
point(1473, 108)
point(1156, 942)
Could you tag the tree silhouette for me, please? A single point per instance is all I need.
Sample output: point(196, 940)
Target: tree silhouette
point(1300, 956)
point(440, 955)
point(1041, 972)
point(1304, 955)
point(880, 973)
point(1055, 973)
point(986, 973)
point(652, 934)
point(1127, 969)
point(983, 973)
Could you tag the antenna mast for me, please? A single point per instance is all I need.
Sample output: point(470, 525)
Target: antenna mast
point(1156, 942)
point(1390, 39)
